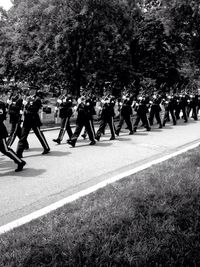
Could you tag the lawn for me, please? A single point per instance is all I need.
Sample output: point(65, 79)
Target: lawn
point(151, 218)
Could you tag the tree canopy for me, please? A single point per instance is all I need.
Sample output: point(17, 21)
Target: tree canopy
point(90, 43)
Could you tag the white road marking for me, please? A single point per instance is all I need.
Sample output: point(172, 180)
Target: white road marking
point(34, 215)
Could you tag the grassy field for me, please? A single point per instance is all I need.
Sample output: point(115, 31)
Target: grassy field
point(149, 219)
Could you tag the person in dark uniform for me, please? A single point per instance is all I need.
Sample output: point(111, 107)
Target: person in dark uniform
point(192, 106)
point(32, 121)
point(83, 120)
point(91, 103)
point(169, 104)
point(181, 106)
point(7, 151)
point(106, 117)
point(141, 109)
point(15, 111)
point(125, 115)
point(155, 110)
point(65, 113)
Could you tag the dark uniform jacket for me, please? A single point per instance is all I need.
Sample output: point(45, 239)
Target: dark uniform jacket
point(66, 108)
point(126, 110)
point(90, 108)
point(3, 130)
point(14, 109)
point(107, 111)
point(141, 108)
point(82, 113)
point(31, 115)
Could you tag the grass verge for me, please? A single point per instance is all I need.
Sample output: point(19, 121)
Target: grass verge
point(151, 218)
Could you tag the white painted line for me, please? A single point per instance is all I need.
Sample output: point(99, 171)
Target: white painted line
point(32, 216)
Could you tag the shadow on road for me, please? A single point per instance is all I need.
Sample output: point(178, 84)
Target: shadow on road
point(53, 153)
point(26, 172)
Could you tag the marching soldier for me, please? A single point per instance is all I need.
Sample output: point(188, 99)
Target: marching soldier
point(181, 106)
point(169, 105)
point(192, 106)
point(125, 115)
point(106, 117)
point(65, 113)
point(15, 111)
point(83, 119)
point(32, 121)
point(155, 110)
point(142, 109)
point(91, 103)
point(3, 145)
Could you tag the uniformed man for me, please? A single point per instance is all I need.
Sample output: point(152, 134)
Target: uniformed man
point(15, 111)
point(155, 110)
point(83, 120)
point(107, 117)
point(125, 115)
point(32, 121)
point(169, 104)
point(65, 112)
point(3, 145)
point(141, 109)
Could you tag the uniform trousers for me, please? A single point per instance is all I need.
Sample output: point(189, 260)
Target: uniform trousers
point(166, 116)
point(14, 131)
point(143, 118)
point(65, 126)
point(102, 126)
point(155, 113)
point(79, 126)
point(25, 132)
point(127, 119)
point(8, 151)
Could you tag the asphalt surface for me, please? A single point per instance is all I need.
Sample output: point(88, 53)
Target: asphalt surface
point(66, 170)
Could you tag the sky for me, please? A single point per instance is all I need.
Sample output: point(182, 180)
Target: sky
point(6, 4)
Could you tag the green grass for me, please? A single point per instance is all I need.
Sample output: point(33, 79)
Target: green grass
point(149, 219)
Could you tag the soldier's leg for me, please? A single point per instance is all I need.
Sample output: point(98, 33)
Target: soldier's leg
point(11, 154)
point(173, 116)
point(145, 121)
point(41, 138)
point(129, 124)
point(137, 120)
point(23, 141)
point(13, 134)
point(68, 128)
point(184, 114)
point(101, 129)
point(90, 131)
point(151, 116)
point(194, 113)
point(61, 132)
point(157, 115)
point(119, 126)
point(75, 135)
point(62, 128)
point(112, 128)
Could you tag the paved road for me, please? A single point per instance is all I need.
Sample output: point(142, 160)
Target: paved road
point(64, 171)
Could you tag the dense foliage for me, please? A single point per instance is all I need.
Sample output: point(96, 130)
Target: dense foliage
point(92, 43)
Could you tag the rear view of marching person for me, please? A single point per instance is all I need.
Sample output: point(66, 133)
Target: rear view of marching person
point(125, 115)
point(142, 109)
point(90, 103)
point(15, 111)
point(83, 120)
point(7, 151)
point(65, 113)
point(32, 121)
point(155, 110)
point(106, 117)
point(170, 105)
